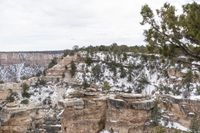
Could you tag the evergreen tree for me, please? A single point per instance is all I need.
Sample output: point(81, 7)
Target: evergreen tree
point(73, 69)
point(173, 31)
point(122, 72)
point(97, 71)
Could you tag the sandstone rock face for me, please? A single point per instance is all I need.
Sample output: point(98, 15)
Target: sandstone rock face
point(123, 113)
point(97, 112)
point(34, 120)
point(90, 119)
point(10, 58)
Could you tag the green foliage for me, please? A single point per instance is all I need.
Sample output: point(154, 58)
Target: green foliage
point(166, 33)
point(73, 69)
point(25, 101)
point(12, 96)
point(113, 67)
point(164, 89)
point(143, 79)
point(130, 70)
point(25, 89)
point(188, 78)
point(155, 114)
point(198, 90)
point(122, 72)
point(124, 56)
point(41, 82)
point(106, 86)
point(116, 49)
point(53, 62)
point(195, 124)
point(159, 129)
point(68, 52)
point(88, 60)
point(96, 70)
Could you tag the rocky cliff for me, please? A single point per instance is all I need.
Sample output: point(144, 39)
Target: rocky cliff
point(140, 93)
point(16, 65)
point(126, 113)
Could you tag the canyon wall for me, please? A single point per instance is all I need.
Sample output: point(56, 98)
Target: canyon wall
point(17, 65)
point(40, 58)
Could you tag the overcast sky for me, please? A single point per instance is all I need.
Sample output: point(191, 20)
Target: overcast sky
point(61, 24)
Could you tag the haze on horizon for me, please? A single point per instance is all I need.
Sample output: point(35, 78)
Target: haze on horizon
point(36, 25)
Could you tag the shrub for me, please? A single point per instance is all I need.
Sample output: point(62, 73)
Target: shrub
point(188, 78)
point(41, 82)
point(69, 52)
point(143, 79)
point(123, 72)
point(25, 101)
point(113, 67)
point(53, 62)
point(130, 70)
point(195, 124)
point(25, 89)
point(106, 86)
point(38, 74)
point(198, 90)
point(88, 60)
point(155, 114)
point(159, 129)
point(97, 71)
point(12, 96)
point(124, 57)
point(73, 69)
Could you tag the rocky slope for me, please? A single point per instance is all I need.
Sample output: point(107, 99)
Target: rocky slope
point(108, 93)
point(17, 65)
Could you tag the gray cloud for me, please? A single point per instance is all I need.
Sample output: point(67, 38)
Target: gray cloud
point(60, 24)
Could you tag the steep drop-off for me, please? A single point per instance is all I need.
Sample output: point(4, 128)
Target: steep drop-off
point(16, 65)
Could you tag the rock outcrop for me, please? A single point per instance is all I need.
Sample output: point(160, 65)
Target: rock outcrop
point(43, 58)
point(125, 113)
point(93, 113)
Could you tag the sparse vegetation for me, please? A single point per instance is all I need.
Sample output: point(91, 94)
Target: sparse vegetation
point(88, 60)
point(40, 82)
point(195, 124)
point(53, 62)
point(159, 129)
point(25, 89)
point(12, 96)
point(96, 70)
point(155, 115)
point(122, 72)
point(73, 69)
point(25, 101)
point(106, 86)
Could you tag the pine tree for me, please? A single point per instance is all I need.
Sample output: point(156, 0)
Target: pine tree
point(73, 69)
